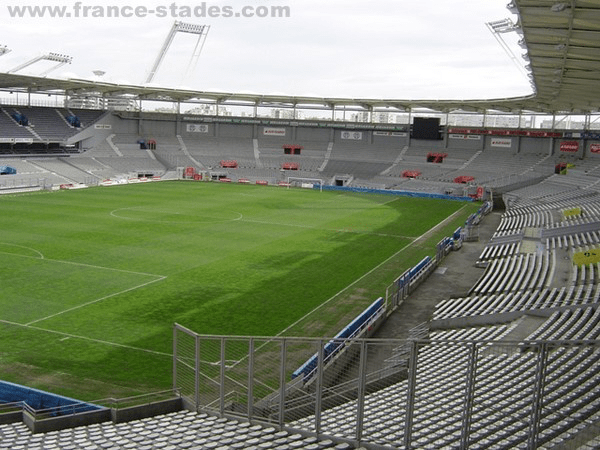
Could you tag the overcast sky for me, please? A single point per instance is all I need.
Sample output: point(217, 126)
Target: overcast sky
point(329, 48)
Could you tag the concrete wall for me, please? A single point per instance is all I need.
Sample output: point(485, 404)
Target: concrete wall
point(236, 130)
point(313, 134)
point(470, 142)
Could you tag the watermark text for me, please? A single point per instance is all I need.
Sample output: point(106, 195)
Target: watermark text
point(174, 10)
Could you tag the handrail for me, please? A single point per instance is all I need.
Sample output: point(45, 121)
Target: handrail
point(79, 407)
point(116, 403)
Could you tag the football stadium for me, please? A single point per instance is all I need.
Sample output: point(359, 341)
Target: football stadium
point(268, 271)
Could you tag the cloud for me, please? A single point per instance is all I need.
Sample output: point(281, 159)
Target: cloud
point(387, 48)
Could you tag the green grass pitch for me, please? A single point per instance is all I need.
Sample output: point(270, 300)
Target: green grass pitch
point(93, 279)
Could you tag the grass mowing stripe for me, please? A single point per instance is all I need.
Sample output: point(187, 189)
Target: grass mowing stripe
point(312, 227)
point(371, 271)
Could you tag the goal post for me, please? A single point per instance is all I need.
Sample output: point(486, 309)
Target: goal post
point(307, 183)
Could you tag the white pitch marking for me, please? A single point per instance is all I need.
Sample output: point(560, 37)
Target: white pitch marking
point(21, 246)
point(157, 278)
point(74, 336)
point(73, 263)
point(83, 305)
point(200, 221)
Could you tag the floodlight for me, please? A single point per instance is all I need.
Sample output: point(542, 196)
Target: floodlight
point(200, 30)
point(57, 57)
point(54, 57)
point(500, 27)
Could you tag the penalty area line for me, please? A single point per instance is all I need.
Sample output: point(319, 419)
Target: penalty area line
point(83, 305)
point(85, 338)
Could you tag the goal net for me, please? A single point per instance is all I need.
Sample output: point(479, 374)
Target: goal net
point(307, 183)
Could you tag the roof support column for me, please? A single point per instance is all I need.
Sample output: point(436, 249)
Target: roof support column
point(408, 139)
point(588, 121)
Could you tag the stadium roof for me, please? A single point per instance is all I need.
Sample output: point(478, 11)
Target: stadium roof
point(562, 40)
point(563, 46)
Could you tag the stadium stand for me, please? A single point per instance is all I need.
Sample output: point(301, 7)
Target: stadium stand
point(530, 291)
point(107, 145)
point(175, 430)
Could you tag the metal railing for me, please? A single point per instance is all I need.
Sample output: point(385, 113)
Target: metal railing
point(459, 394)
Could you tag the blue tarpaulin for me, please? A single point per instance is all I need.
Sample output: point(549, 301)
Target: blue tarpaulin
point(7, 170)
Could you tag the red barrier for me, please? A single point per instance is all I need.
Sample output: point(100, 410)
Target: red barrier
point(436, 157)
point(411, 173)
point(197, 177)
point(225, 180)
point(464, 179)
point(244, 181)
point(262, 182)
point(230, 164)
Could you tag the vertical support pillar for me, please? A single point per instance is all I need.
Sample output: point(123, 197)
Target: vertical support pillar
point(469, 396)
point(175, 356)
point(251, 378)
point(282, 383)
point(408, 138)
point(319, 387)
point(362, 378)
point(222, 379)
point(588, 122)
point(197, 372)
point(538, 395)
point(411, 393)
